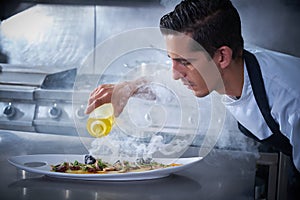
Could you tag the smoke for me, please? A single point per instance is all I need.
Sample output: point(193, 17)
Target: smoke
point(232, 138)
point(162, 127)
point(167, 126)
point(117, 146)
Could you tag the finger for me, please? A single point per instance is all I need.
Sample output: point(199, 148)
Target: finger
point(100, 88)
point(90, 107)
point(96, 90)
point(100, 92)
point(93, 105)
point(98, 100)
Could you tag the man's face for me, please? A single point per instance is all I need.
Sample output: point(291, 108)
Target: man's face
point(194, 68)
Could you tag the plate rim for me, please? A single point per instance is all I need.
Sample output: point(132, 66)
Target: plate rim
point(151, 174)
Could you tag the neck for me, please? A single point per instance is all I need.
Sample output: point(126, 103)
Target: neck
point(233, 77)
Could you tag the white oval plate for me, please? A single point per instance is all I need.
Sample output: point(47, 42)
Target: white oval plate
point(41, 164)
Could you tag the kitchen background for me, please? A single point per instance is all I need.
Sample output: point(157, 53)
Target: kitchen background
point(53, 36)
point(60, 35)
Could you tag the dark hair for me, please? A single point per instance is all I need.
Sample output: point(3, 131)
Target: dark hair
point(212, 23)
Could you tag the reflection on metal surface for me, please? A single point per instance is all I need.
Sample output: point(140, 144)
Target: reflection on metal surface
point(62, 35)
point(23, 174)
point(24, 191)
point(30, 31)
point(48, 35)
point(96, 195)
point(175, 187)
point(67, 194)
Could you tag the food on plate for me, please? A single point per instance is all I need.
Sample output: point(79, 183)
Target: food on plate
point(92, 165)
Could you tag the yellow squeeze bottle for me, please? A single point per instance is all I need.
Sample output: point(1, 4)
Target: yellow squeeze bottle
point(101, 120)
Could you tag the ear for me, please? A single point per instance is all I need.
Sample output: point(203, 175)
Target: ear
point(223, 56)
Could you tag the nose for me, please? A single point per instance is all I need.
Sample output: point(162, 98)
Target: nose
point(178, 70)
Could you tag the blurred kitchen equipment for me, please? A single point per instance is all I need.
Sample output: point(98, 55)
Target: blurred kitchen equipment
point(37, 100)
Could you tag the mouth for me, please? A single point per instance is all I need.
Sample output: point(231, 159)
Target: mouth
point(190, 87)
point(188, 84)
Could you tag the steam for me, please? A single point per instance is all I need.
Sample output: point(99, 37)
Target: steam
point(155, 144)
point(116, 146)
point(160, 128)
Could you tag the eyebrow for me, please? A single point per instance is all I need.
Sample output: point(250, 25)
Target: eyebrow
point(182, 59)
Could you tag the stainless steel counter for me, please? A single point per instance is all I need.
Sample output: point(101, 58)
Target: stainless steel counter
point(221, 175)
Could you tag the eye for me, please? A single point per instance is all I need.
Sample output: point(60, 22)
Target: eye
point(185, 63)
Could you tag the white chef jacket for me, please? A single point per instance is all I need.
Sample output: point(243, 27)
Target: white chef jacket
point(281, 75)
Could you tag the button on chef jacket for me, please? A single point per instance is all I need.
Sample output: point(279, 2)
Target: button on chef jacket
point(281, 75)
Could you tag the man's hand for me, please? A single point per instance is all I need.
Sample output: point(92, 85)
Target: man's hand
point(99, 96)
point(117, 94)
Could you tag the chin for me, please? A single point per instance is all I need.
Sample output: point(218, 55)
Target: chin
point(201, 93)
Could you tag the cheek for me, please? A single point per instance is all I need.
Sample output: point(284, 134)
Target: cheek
point(197, 78)
point(208, 75)
point(201, 84)
point(200, 89)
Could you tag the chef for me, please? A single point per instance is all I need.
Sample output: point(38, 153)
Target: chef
point(260, 88)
